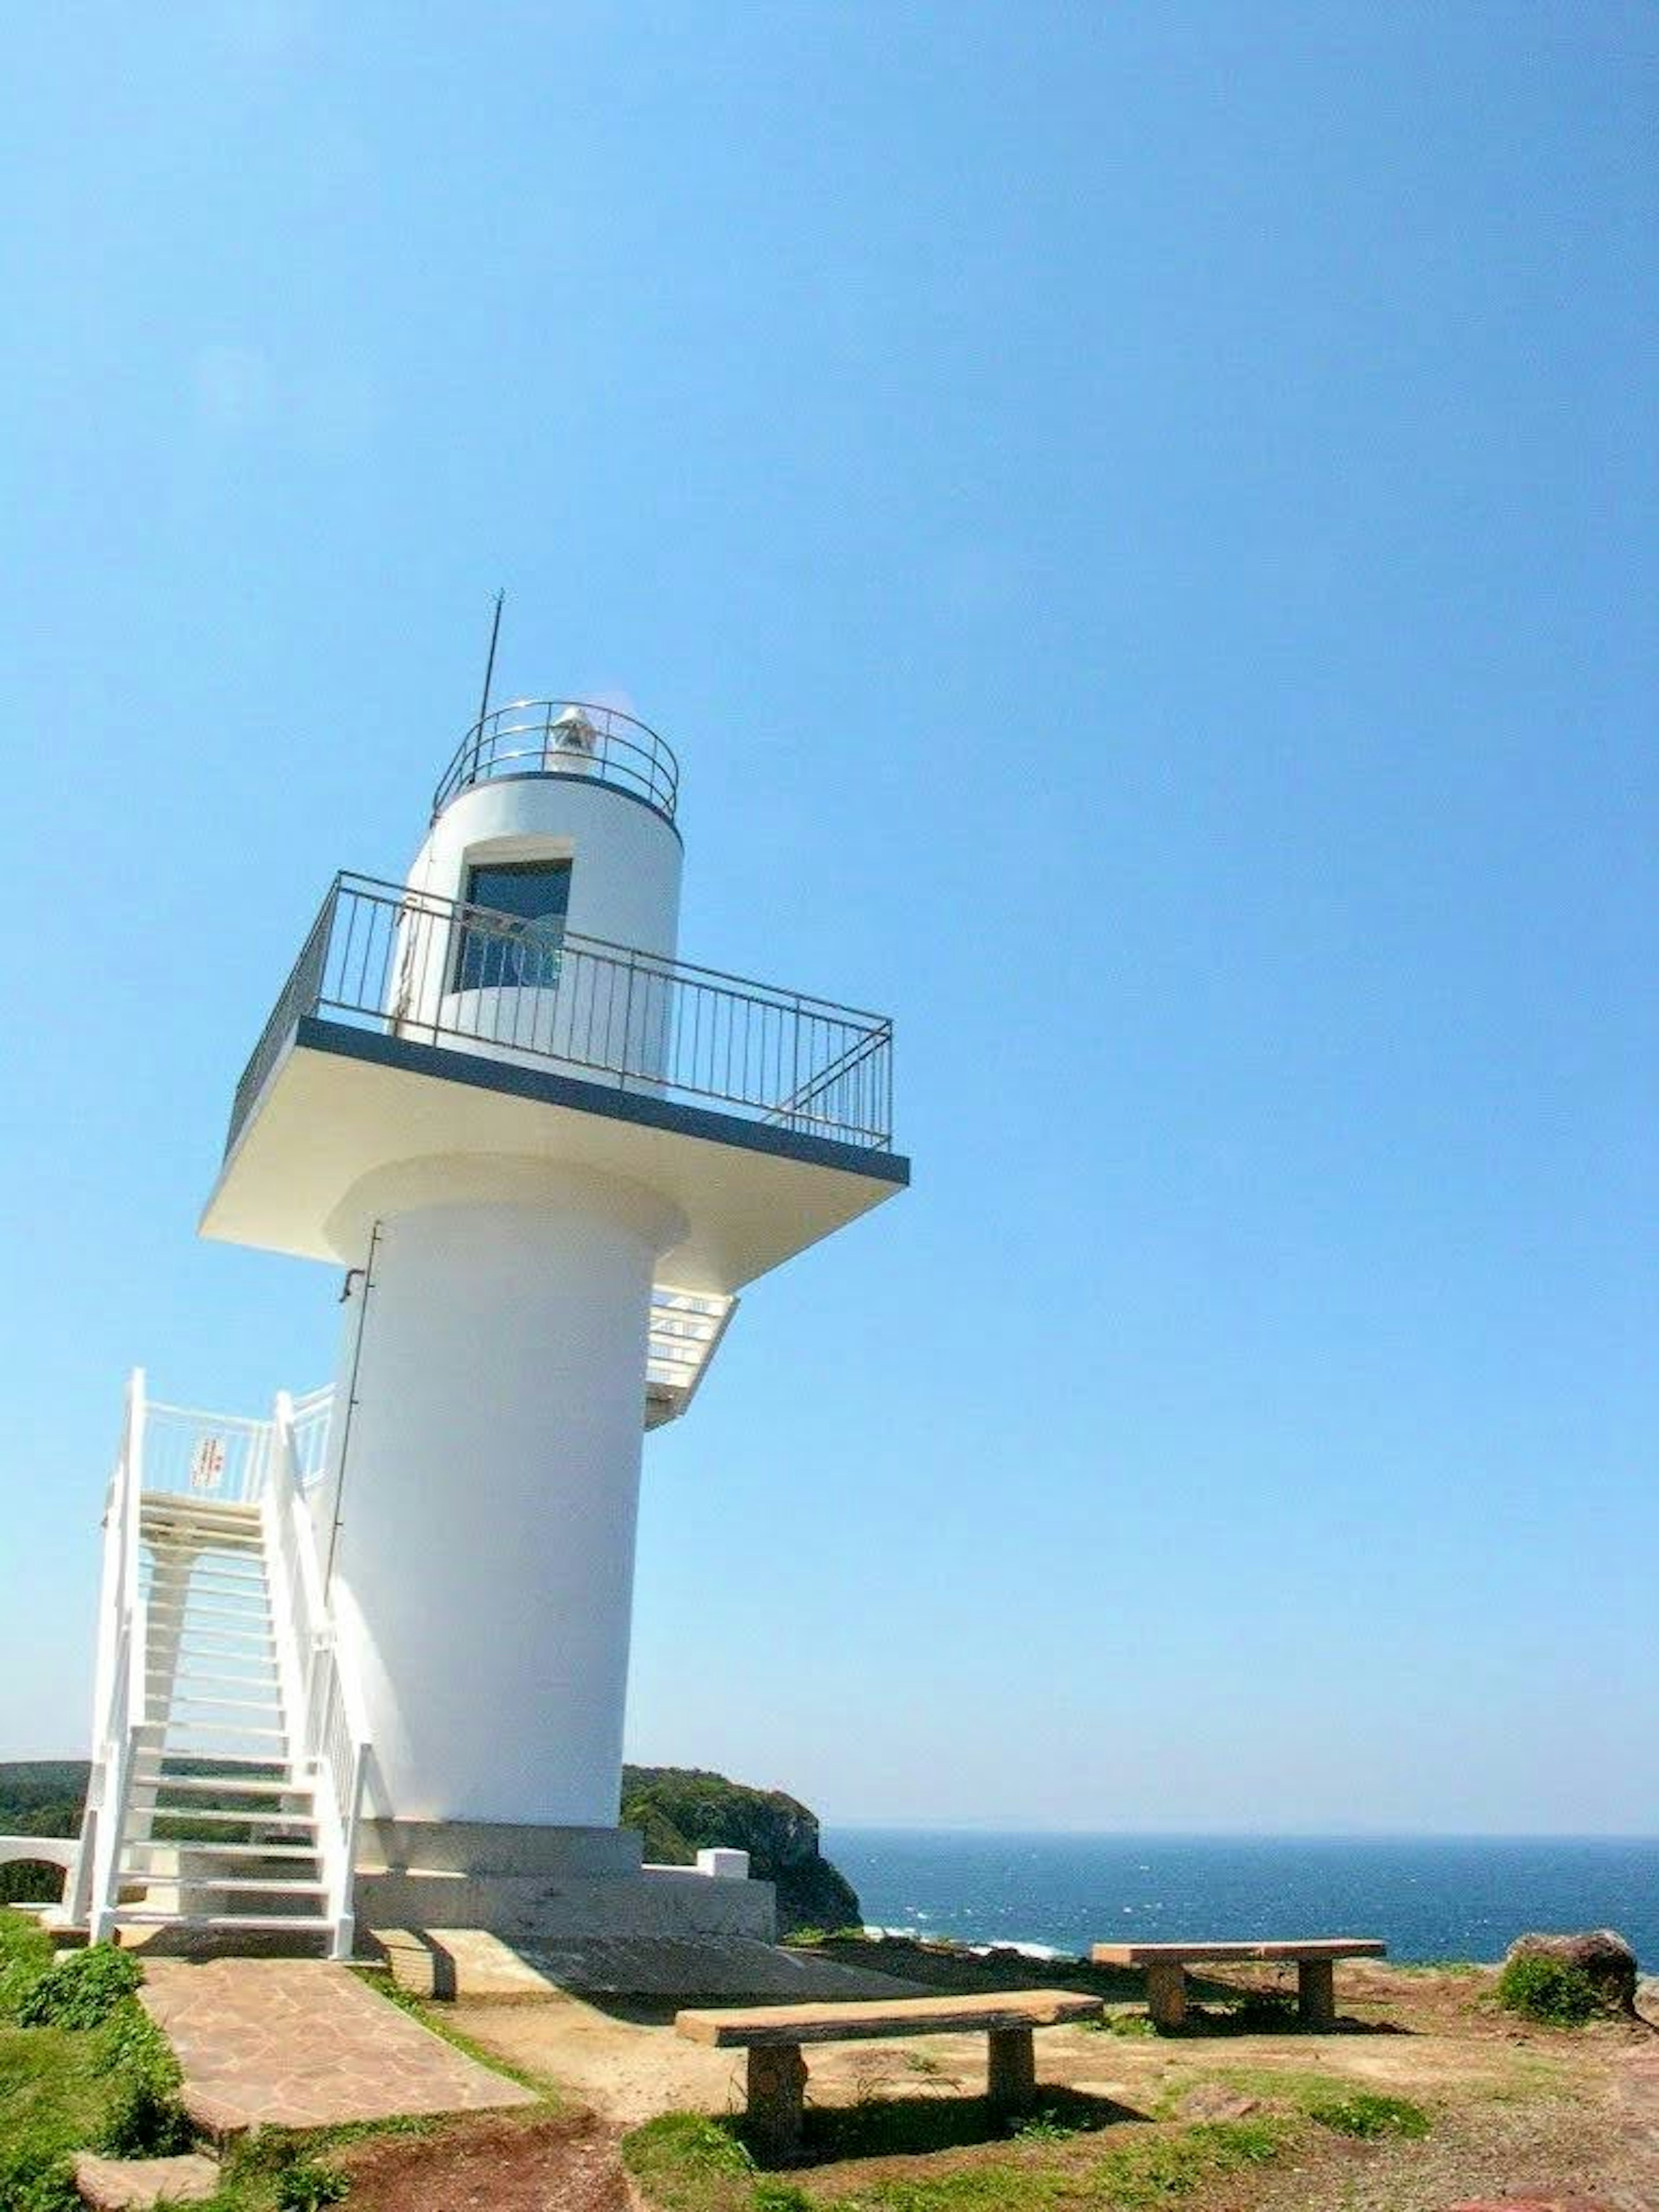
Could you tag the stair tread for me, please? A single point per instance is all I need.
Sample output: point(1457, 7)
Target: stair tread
point(224, 1788)
point(235, 1704)
point(266, 1889)
point(222, 1850)
point(127, 1916)
point(209, 1728)
point(253, 1616)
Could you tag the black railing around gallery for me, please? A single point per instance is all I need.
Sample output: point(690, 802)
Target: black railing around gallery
point(565, 737)
point(436, 971)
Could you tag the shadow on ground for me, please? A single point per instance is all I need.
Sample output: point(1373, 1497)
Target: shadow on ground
point(888, 2126)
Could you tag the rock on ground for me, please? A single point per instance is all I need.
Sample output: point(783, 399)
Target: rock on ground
point(1600, 1954)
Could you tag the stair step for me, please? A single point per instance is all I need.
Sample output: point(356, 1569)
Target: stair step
point(182, 1581)
point(227, 1552)
point(183, 1697)
point(199, 1527)
point(174, 1597)
point(217, 1883)
point(213, 1671)
point(171, 1582)
point(171, 1513)
point(221, 1850)
point(257, 1620)
point(204, 1521)
point(225, 1643)
point(202, 1535)
point(265, 1816)
point(211, 1727)
point(226, 1785)
point(127, 1916)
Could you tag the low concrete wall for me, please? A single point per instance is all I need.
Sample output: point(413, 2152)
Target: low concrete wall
point(497, 1847)
point(658, 1901)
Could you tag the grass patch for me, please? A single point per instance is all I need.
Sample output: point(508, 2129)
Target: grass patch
point(82, 2068)
point(684, 2162)
point(1370, 2116)
point(1144, 2170)
point(53, 2097)
point(688, 2163)
point(1346, 2107)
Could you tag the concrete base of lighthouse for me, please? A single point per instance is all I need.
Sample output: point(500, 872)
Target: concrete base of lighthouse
point(533, 1886)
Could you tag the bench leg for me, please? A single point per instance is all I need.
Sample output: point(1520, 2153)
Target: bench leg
point(1011, 2081)
point(777, 2087)
point(1315, 1993)
point(1166, 1993)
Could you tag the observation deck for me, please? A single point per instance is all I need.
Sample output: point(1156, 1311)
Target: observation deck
point(412, 1026)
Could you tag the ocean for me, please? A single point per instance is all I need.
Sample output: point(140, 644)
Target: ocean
point(1428, 1898)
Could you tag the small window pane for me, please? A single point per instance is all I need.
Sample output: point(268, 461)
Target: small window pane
point(521, 950)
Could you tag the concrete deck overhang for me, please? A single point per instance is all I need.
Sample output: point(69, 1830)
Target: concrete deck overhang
point(342, 1102)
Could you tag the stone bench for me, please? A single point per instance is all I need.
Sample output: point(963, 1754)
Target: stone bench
point(1166, 1964)
point(772, 2036)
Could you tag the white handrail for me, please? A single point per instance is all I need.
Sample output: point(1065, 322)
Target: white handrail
point(233, 1461)
point(327, 1731)
point(90, 1893)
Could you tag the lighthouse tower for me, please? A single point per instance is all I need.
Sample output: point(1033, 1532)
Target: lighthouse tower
point(547, 1154)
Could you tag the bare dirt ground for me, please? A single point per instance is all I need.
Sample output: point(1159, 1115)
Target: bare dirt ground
point(1516, 2111)
point(562, 2164)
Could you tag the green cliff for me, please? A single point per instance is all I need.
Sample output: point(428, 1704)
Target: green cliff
point(684, 1809)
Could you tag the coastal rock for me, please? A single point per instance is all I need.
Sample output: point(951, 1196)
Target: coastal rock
point(682, 1810)
point(1600, 1954)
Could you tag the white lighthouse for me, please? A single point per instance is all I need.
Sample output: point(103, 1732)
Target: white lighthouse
point(548, 1154)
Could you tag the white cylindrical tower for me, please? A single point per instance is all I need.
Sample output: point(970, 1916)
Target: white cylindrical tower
point(485, 1495)
point(487, 1501)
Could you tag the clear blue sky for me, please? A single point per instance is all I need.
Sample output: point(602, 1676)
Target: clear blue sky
point(1141, 524)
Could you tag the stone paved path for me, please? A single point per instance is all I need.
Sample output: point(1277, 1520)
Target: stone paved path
point(296, 2043)
point(124, 2185)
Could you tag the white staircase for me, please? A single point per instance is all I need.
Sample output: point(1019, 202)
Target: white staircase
point(221, 1826)
point(228, 1758)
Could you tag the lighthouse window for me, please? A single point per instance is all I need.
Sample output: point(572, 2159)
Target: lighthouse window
point(516, 940)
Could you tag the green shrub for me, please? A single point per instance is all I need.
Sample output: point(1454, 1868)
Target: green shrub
point(26, 1953)
point(685, 2139)
point(82, 1991)
point(1370, 2115)
point(144, 2118)
point(33, 2181)
point(780, 2196)
point(308, 2184)
point(1549, 1989)
point(1271, 2011)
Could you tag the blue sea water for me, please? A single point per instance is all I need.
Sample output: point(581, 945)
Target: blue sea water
point(1428, 1898)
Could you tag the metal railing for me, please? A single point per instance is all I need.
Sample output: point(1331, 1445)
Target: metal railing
point(221, 1457)
point(431, 970)
point(329, 1733)
point(89, 1892)
point(564, 737)
point(313, 1414)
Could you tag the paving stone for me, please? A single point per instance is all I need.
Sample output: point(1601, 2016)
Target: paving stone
point(302, 2043)
point(113, 2183)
